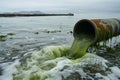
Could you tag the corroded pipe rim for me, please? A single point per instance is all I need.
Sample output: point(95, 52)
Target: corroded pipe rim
point(93, 25)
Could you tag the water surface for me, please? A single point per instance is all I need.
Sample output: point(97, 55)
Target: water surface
point(33, 33)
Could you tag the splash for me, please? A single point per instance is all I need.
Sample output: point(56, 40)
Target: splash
point(51, 63)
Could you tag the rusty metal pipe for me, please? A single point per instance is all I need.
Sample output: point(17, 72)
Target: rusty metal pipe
point(98, 29)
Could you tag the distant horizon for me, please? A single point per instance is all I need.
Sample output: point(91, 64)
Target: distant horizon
point(61, 6)
point(51, 12)
point(25, 11)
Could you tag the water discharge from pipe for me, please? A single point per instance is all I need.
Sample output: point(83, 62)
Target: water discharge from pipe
point(89, 32)
point(80, 46)
point(52, 62)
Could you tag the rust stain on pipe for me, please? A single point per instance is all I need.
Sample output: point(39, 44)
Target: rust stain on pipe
point(100, 29)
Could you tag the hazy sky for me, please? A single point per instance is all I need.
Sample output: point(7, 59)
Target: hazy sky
point(62, 6)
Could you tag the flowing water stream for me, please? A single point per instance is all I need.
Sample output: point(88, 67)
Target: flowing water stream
point(80, 45)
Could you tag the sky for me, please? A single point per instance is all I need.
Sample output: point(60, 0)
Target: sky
point(61, 6)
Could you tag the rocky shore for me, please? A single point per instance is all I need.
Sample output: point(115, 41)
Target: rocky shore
point(113, 56)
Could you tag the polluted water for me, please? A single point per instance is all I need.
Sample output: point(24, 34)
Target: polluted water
point(80, 46)
point(63, 63)
point(54, 62)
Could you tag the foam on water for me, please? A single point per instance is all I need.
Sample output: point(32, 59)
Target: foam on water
point(51, 63)
point(60, 63)
point(8, 70)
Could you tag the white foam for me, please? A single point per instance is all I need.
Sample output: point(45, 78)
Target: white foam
point(8, 69)
point(116, 71)
point(48, 64)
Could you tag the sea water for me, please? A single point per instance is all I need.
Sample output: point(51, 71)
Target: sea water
point(42, 61)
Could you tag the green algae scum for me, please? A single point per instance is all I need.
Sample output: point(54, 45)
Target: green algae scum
point(53, 62)
point(49, 63)
point(61, 62)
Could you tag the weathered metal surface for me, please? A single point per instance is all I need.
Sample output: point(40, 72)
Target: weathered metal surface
point(103, 28)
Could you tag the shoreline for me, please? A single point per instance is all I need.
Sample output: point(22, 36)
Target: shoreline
point(20, 15)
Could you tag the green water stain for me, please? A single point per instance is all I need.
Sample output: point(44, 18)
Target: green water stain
point(36, 32)
point(10, 34)
point(2, 38)
point(35, 78)
point(80, 46)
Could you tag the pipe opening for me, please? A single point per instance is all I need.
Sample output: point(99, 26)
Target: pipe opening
point(84, 27)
